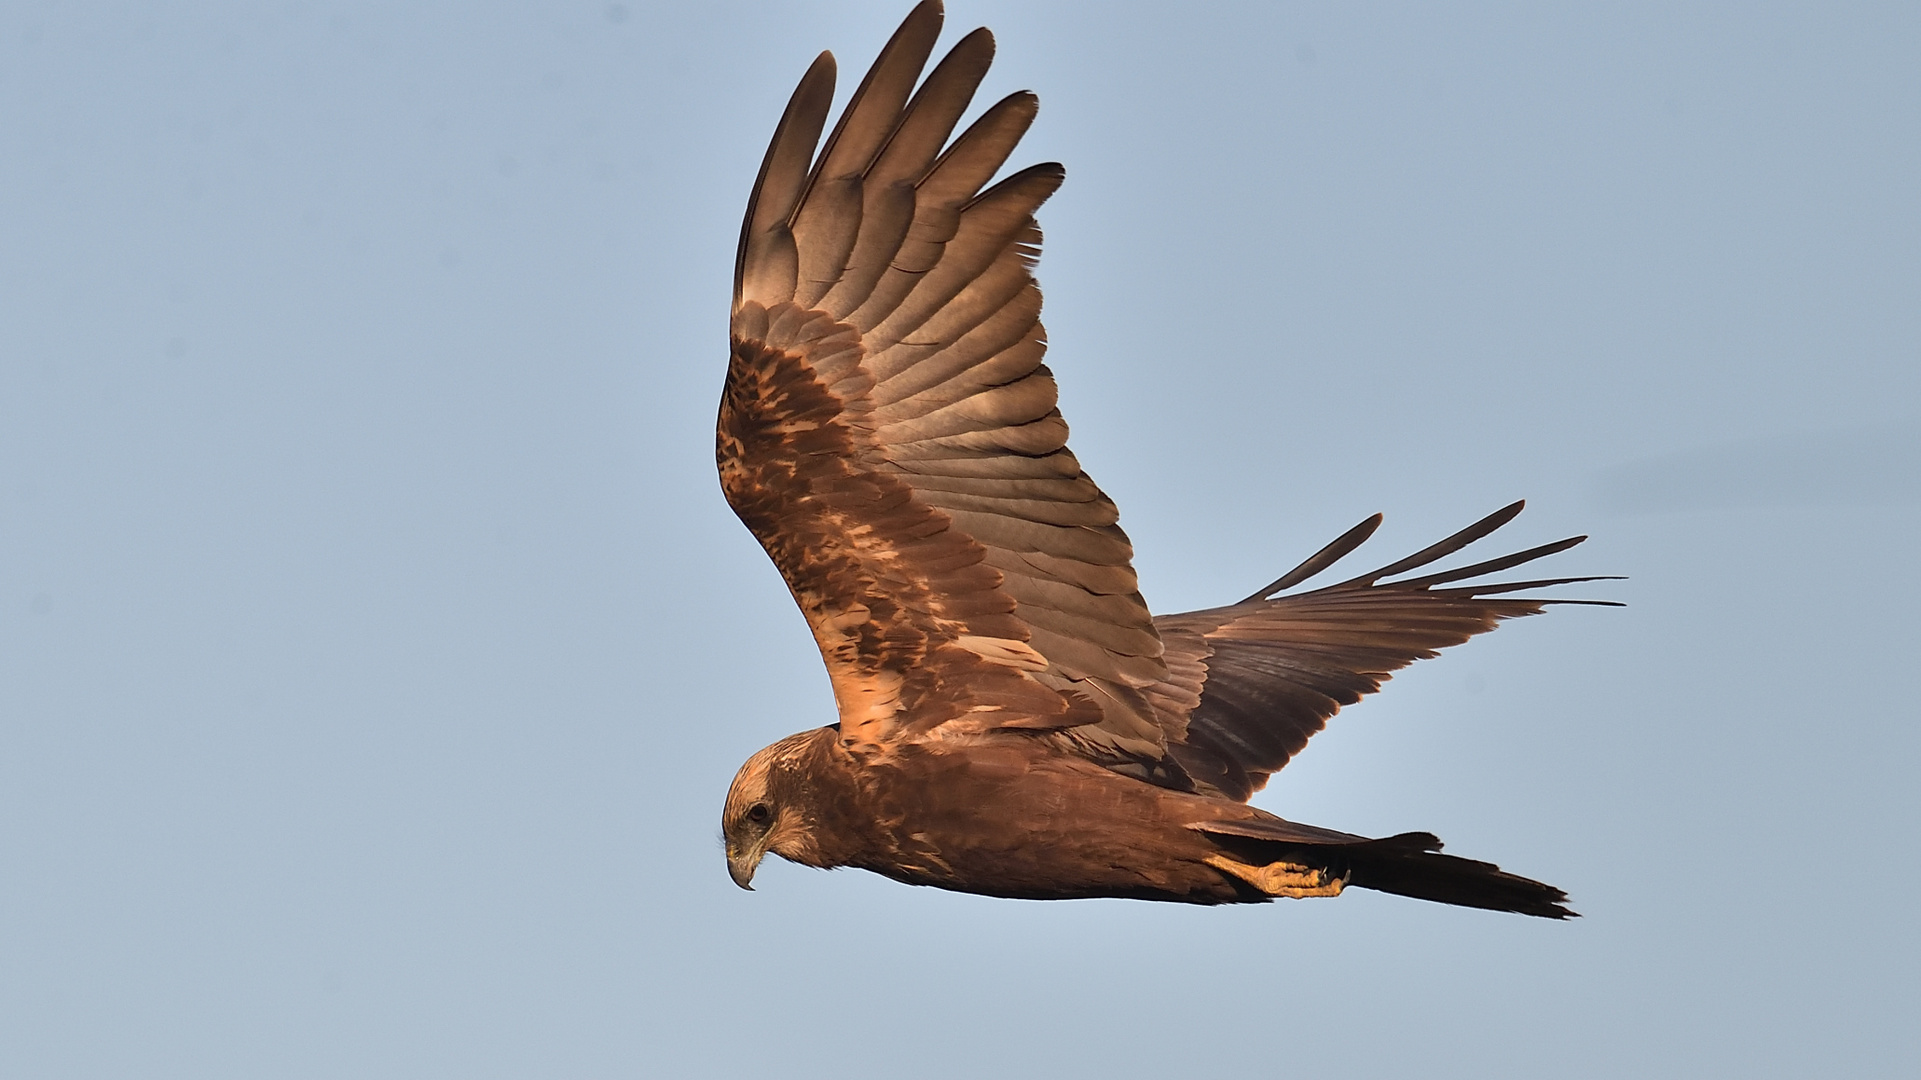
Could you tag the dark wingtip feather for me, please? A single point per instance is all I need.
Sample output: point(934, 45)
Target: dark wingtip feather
point(937, 105)
point(785, 168)
point(1354, 537)
point(1445, 547)
point(1334, 552)
point(1476, 592)
point(892, 76)
point(1490, 566)
point(1047, 174)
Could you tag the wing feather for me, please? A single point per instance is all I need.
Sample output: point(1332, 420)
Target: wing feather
point(888, 195)
point(939, 199)
point(827, 223)
point(891, 436)
point(768, 263)
point(998, 349)
point(1249, 684)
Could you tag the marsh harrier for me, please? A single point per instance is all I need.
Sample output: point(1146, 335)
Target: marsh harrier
point(1012, 720)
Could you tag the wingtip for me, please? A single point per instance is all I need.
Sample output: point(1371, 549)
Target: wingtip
point(1333, 552)
point(824, 64)
point(1501, 517)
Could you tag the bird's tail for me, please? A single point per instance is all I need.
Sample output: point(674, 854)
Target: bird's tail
point(1409, 864)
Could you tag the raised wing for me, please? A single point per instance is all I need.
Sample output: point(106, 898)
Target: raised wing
point(1249, 684)
point(889, 433)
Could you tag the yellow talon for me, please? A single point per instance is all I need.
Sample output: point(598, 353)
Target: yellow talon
point(1281, 878)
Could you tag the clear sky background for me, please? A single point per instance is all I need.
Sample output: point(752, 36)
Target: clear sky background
point(375, 646)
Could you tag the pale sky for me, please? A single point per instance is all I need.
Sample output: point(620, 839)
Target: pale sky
point(375, 646)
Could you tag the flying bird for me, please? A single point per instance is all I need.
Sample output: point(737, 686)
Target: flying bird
point(1012, 720)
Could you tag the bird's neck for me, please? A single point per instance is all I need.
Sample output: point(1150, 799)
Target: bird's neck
point(819, 786)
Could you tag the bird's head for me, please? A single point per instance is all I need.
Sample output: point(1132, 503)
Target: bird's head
point(763, 811)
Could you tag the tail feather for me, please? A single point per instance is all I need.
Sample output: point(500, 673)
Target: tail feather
point(1411, 865)
point(1408, 864)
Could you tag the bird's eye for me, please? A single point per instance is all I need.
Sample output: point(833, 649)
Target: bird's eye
point(759, 813)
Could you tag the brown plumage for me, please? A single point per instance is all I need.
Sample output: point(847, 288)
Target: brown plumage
point(1012, 720)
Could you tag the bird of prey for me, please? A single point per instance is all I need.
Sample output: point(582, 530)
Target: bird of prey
point(1012, 720)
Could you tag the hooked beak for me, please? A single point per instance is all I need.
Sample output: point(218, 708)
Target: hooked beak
point(741, 866)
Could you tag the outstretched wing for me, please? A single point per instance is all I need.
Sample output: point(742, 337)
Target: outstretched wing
point(889, 433)
point(1249, 684)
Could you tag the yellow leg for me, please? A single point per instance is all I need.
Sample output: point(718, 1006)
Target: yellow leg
point(1281, 878)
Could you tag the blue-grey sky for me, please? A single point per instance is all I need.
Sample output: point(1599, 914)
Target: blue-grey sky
point(375, 647)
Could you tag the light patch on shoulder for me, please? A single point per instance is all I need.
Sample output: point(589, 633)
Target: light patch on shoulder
point(868, 701)
point(1014, 654)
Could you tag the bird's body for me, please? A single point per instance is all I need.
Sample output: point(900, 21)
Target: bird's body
point(1002, 816)
point(1012, 721)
